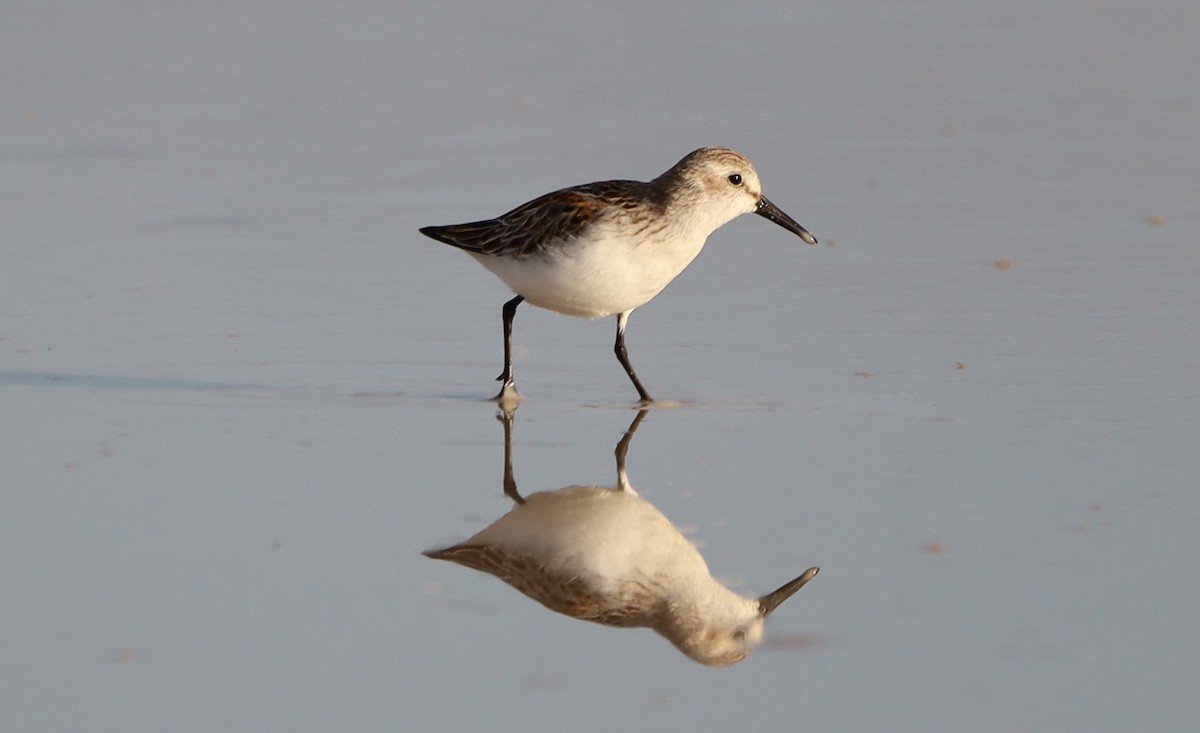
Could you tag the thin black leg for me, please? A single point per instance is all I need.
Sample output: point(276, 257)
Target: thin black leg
point(623, 357)
point(506, 376)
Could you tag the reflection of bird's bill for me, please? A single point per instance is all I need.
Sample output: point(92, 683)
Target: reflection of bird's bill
point(771, 601)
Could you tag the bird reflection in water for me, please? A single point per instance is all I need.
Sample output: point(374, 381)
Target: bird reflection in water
point(605, 554)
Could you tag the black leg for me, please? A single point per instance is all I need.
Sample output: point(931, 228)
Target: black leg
point(623, 357)
point(506, 376)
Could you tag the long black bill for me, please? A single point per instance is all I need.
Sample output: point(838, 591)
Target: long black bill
point(771, 601)
point(768, 210)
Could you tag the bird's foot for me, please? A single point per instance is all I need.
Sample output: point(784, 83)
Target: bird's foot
point(508, 397)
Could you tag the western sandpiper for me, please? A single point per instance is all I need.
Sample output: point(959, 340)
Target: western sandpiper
point(606, 248)
point(604, 554)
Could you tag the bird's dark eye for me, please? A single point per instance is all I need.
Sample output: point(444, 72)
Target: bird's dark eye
point(735, 179)
point(740, 634)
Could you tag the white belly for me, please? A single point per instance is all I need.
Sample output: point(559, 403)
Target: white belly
point(595, 277)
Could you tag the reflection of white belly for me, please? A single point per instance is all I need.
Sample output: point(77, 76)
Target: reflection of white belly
point(597, 276)
point(599, 534)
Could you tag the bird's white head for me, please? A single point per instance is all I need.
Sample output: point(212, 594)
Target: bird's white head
point(718, 185)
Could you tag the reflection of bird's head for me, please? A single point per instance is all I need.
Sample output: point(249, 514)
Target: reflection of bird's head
point(719, 645)
point(719, 627)
point(716, 627)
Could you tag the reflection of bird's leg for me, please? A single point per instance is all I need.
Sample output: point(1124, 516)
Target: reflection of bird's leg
point(505, 416)
point(623, 449)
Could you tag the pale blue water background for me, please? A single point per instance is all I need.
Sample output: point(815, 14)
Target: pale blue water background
point(239, 393)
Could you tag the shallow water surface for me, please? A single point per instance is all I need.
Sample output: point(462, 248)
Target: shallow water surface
point(241, 394)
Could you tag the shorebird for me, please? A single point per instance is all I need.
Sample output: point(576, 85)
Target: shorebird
point(606, 248)
point(605, 554)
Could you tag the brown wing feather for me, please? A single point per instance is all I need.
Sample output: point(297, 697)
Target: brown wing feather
point(531, 227)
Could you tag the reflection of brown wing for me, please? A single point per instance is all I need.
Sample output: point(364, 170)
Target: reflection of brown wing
point(564, 594)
